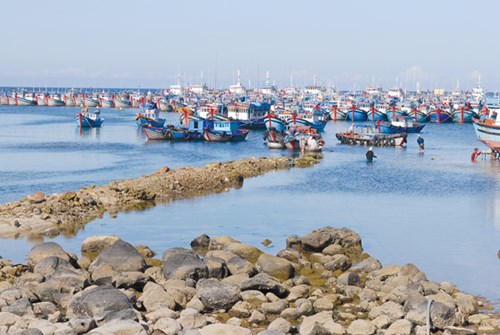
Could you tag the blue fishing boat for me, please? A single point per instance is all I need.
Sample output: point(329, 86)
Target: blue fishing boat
point(401, 124)
point(464, 115)
point(357, 114)
point(150, 116)
point(375, 114)
point(394, 111)
point(275, 122)
point(316, 120)
point(86, 119)
point(421, 115)
point(224, 131)
point(168, 133)
point(440, 116)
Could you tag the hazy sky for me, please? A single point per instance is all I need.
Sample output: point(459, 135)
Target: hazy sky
point(347, 44)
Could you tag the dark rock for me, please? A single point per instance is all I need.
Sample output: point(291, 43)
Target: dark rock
point(320, 238)
point(182, 264)
point(264, 283)
point(217, 295)
point(43, 250)
point(201, 242)
point(122, 256)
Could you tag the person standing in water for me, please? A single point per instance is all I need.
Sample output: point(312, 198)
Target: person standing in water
point(420, 142)
point(475, 154)
point(370, 155)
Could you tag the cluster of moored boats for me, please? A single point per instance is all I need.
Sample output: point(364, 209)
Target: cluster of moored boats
point(290, 116)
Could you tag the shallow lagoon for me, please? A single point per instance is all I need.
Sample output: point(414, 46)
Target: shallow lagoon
point(438, 210)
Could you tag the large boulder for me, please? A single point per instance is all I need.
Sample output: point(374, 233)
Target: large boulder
point(51, 264)
point(248, 252)
point(217, 295)
point(122, 256)
point(102, 303)
point(276, 267)
point(46, 249)
point(322, 238)
point(182, 264)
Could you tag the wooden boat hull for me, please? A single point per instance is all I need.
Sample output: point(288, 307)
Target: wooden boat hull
point(489, 134)
point(467, 116)
point(215, 136)
point(442, 117)
point(359, 115)
point(147, 121)
point(387, 128)
point(379, 140)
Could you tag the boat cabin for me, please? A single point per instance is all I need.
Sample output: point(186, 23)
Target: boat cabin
point(246, 112)
point(222, 125)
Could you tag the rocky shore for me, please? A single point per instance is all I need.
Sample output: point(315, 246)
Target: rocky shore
point(322, 283)
point(49, 215)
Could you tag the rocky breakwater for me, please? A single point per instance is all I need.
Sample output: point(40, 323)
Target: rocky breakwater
point(322, 283)
point(39, 214)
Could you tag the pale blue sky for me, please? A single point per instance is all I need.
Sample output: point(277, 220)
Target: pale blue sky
point(125, 43)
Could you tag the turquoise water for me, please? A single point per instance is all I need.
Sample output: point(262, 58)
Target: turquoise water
point(438, 210)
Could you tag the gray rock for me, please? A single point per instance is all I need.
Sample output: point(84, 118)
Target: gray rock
point(400, 327)
point(264, 283)
point(321, 238)
point(281, 325)
point(192, 319)
point(217, 267)
point(155, 297)
point(183, 264)
point(43, 250)
point(167, 326)
point(201, 241)
point(217, 295)
point(224, 329)
point(391, 309)
point(121, 327)
point(30, 331)
point(320, 324)
point(275, 307)
point(349, 278)
point(367, 265)
point(271, 332)
point(238, 265)
point(441, 315)
point(92, 246)
point(21, 307)
point(460, 330)
point(102, 303)
point(276, 267)
point(361, 327)
point(339, 262)
point(82, 325)
point(122, 256)
point(49, 265)
point(245, 251)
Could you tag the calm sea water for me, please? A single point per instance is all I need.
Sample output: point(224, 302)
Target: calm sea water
point(438, 210)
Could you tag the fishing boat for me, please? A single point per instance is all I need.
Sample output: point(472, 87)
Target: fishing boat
point(370, 137)
point(315, 120)
point(304, 138)
point(356, 114)
point(439, 115)
point(377, 114)
point(122, 102)
point(168, 133)
point(464, 115)
point(275, 138)
point(86, 119)
point(274, 122)
point(150, 116)
point(224, 131)
point(251, 115)
point(55, 100)
point(488, 131)
point(400, 124)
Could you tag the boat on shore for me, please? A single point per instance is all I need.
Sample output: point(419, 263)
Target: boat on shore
point(488, 131)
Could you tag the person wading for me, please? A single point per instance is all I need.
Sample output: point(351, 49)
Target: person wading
point(370, 155)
